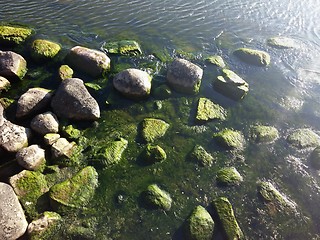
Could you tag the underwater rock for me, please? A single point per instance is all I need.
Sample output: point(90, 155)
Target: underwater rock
point(216, 60)
point(281, 42)
point(12, 65)
point(153, 128)
point(73, 101)
point(226, 216)
point(62, 148)
point(201, 156)
point(231, 85)
point(162, 92)
point(252, 56)
point(133, 83)
point(200, 225)
point(153, 154)
point(32, 101)
point(14, 35)
point(315, 158)
point(157, 198)
point(303, 138)
point(45, 226)
point(51, 138)
point(45, 123)
point(184, 76)
point(263, 134)
point(123, 47)
point(65, 72)
point(74, 193)
point(89, 61)
point(207, 110)
point(42, 49)
point(4, 84)
point(31, 158)
point(230, 139)
point(13, 223)
point(229, 176)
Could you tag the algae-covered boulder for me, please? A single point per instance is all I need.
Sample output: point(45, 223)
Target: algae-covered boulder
point(14, 35)
point(65, 72)
point(230, 139)
point(74, 193)
point(157, 198)
point(153, 128)
point(227, 218)
point(184, 76)
point(207, 110)
point(12, 65)
point(201, 156)
point(70, 132)
point(231, 85)
point(45, 123)
point(303, 138)
point(42, 49)
point(263, 134)
point(281, 42)
point(252, 56)
point(153, 154)
point(216, 60)
point(315, 158)
point(123, 47)
point(229, 176)
point(31, 158)
point(62, 149)
point(200, 225)
point(133, 83)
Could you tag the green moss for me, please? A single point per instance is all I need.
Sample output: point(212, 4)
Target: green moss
point(162, 92)
point(93, 86)
point(6, 102)
point(251, 56)
point(13, 35)
point(153, 154)
point(157, 198)
point(216, 60)
point(207, 110)
point(201, 156)
point(43, 49)
point(123, 47)
point(263, 133)
point(229, 176)
point(70, 132)
point(162, 55)
point(303, 138)
point(153, 128)
point(65, 72)
point(230, 139)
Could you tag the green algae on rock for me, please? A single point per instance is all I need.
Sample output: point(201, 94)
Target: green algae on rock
point(123, 47)
point(70, 132)
point(303, 138)
point(201, 156)
point(42, 49)
point(162, 92)
point(230, 139)
point(153, 128)
point(65, 72)
point(200, 225)
point(14, 35)
point(74, 193)
point(4, 84)
point(154, 154)
point(229, 176)
point(252, 56)
point(263, 134)
point(157, 198)
point(207, 110)
point(315, 158)
point(282, 42)
point(227, 218)
point(216, 60)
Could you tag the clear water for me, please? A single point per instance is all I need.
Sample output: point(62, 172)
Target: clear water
point(285, 94)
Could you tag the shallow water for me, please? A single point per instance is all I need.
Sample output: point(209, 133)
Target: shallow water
point(285, 94)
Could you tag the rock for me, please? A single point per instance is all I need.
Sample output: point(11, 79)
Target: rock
point(14, 35)
point(303, 138)
point(30, 187)
point(74, 193)
point(44, 227)
point(13, 137)
point(12, 65)
point(62, 148)
point(207, 110)
point(162, 92)
point(200, 225)
point(13, 223)
point(51, 138)
point(263, 134)
point(4, 84)
point(42, 49)
point(216, 60)
point(65, 72)
point(252, 56)
point(33, 101)
point(201, 156)
point(315, 158)
point(226, 216)
point(89, 61)
point(2, 119)
point(229, 176)
point(45, 123)
point(133, 83)
point(153, 154)
point(230, 139)
point(231, 85)
point(70, 132)
point(153, 128)
point(157, 198)
point(123, 47)
point(73, 101)
point(31, 158)
point(184, 76)
point(281, 42)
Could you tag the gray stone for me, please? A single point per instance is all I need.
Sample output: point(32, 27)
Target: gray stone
point(2, 119)
point(51, 138)
point(31, 158)
point(252, 56)
point(4, 84)
point(12, 65)
point(45, 123)
point(62, 148)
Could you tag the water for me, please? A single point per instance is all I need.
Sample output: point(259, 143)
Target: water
point(285, 94)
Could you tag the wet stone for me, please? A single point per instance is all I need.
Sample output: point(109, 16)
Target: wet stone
point(230, 139)
point(303, 138)
point(252, 56)
point(229, 176)
point(42, 49)
point(216, 60)
point(157, 198)
point(201, 156)
point(153, 154)
point(65, 72)
point(12, 65)
point(14, 35)
point(263, 134)
point(123, 47)
point(282, 42)
point(207, 110)
point(153, 128)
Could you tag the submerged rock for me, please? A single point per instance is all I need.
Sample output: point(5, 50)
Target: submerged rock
point(201, 156)
point(281, 42)
point(263, 134)
point(4, 84)
point(303, 138)
point(230, 139)
point(157, 198)
point(207, 110)
point(124, 47)
point(184, 76)
point(73, 101)
point(153, 154)
point(162, 92)
point(252, 56)
point(65, 72)
point(42, 49)
point(231, 85)
point(315, 158)
point(31, 158)
point(14, 35)
point(200, 225)
point(216, 60)
point(12, 65)
point(45, 123)
point(229, 176)
point(153, 128)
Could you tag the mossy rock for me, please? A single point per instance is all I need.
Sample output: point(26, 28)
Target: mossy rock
point(252, 56)
point(123, 47)
point(65, 72)
point(157, 198)
point(74, 193)
point(70, 132)
point(315, 158)
point(282, 42)
point(153, 154)
point(153, 128)
point(227, 218)
point(207, 110)
point(229, 176)
point(201, 156)
point(42, 49)
point(200, 225)
point(303, 138)
point(230, 139)
point(14, 35)
point(216, 60)
point(263, 134)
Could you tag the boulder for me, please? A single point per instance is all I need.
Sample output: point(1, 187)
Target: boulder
point(4, 84)
point(31, 158)
point(65, 72)
point(133, 83)
point(74, 193)
point(45, 123)
point(230, 139)
point(216, 60)
point(33, 101)
point(207, 110)
point(153, 154)
point(153, 128)
point(73, 101)
point(62, 148)
point(252, 56)
point(157, 198)
point(70, 132)
point(14, 35)
point(42, 49)
point(123, 47)
point(200, 225)
point(231, 85)
point(303, 138)
point(315, 158)
point(89, 61)
point(263, 134)
point(229, 176)
point(201, 156)
point(282, 42)
point(13, 223)
point(51, 138)
point(12, 65)
point(184, 76)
